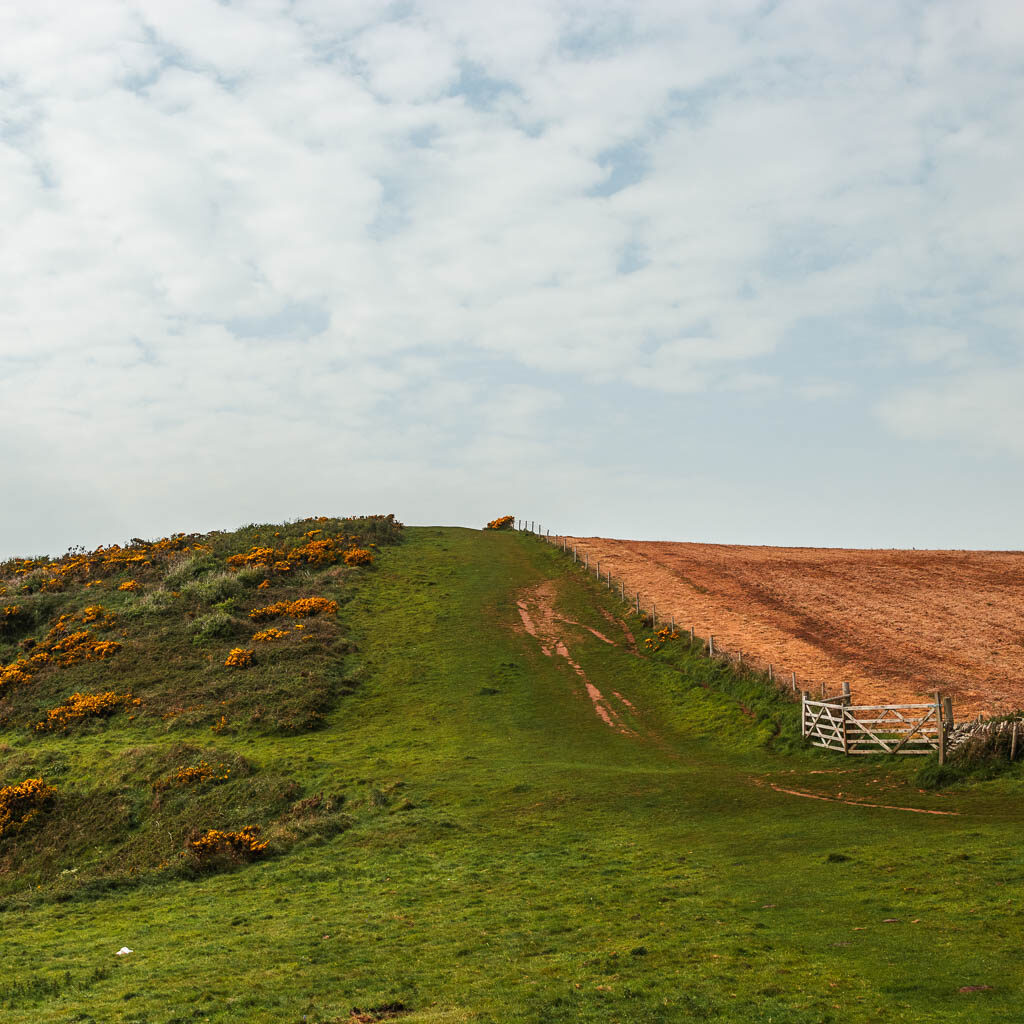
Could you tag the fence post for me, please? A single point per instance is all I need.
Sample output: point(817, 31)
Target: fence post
point(822, 691)
point(739, 658)
point(586, 561)
point(711, 646)
point(638, 602)
point(691, 633)
point(575, 556)
point(942, 727)
point(947, 706)
point(1013, 743)
point(843, 711)
point(654, 616)
point(803, 713)
point(794, 682)
point(771, 673)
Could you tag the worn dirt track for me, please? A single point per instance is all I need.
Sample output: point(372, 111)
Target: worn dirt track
point(896, 625)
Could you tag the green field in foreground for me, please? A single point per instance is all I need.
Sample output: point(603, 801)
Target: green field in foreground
point(511, 857)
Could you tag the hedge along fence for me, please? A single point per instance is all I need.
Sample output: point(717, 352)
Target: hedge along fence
point(838, 724)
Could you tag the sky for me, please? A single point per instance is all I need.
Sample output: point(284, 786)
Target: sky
point(739, 272)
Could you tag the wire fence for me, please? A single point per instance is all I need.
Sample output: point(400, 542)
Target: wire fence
point(787, 681)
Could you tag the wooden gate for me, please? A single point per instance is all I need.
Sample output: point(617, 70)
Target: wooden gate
point(835, 724)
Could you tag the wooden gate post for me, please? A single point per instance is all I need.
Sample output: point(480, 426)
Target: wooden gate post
point(947, 706)
point(803, 713)
point(942, 727)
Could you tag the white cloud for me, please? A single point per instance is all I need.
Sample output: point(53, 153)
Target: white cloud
point(983, 409)
point(492, 204)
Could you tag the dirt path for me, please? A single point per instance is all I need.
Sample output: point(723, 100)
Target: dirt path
point(894, 624)
point(544, 624)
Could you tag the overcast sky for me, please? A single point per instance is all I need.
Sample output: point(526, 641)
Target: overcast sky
point(727, 271)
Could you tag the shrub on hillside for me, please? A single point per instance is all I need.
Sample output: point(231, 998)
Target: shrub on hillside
point(22, 802)
point(218, 625)
point(242, 845)
point(239, 658)
point(501, 523)
point(213, 589)
point(189, 568)
point(300, 609)
point(80, 706)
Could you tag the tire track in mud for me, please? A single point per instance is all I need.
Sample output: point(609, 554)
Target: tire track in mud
point(540, 621)
point(543, 623)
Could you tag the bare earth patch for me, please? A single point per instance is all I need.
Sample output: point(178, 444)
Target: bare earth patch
point(544, 624)
point(894, 624)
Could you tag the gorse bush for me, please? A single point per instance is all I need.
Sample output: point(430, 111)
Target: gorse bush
point(270, 633)
point(63, 646)
point(242, 845)
point(300, 609)
point(22, 802)
point(239, 658)
point(138, 557)
point(194, 774)
point(80, 706)
point(501, 523)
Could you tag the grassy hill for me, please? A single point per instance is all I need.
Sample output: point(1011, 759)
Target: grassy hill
point(453, 832)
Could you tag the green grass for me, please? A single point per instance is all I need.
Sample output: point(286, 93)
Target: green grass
point(487, 850)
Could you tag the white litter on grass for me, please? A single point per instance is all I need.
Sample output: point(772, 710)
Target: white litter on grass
point(124, 951)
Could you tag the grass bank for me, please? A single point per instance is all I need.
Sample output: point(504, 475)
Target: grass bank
point(500, 853)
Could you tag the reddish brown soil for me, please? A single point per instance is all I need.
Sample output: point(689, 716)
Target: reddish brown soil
point(896, 625)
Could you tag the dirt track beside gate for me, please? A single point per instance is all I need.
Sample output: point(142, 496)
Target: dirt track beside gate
point(894, 624)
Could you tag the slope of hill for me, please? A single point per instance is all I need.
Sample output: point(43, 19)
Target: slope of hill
point(487, 799)
point(896, 625)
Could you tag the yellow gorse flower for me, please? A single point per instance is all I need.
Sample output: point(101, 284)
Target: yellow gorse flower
point(243, 843)
point(239, 658)
point(80, 706)
point(22, 802)
point(300, 609)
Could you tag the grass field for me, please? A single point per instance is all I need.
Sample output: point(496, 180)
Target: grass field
point(488, 849)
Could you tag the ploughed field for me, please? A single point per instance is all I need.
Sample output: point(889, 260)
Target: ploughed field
point(894, 624)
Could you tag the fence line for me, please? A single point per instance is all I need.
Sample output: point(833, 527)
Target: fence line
point(831, 722)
